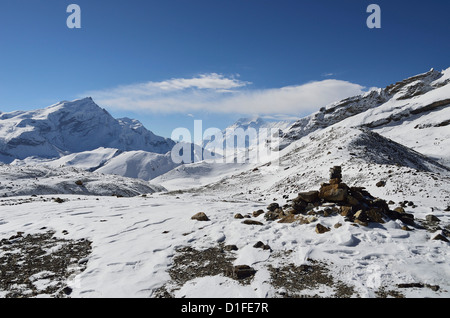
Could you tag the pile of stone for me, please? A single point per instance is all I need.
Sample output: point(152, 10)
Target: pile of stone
point(335, 197)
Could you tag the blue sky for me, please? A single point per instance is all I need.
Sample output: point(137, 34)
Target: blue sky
point(168, 62)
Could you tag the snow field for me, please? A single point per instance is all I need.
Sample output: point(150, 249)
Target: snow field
point(135, 240)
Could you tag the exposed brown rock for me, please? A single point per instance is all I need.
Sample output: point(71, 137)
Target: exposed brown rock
point(346, 210)
point(291, 218)
point(309, 197)
point(440, 237)
point(381, 183)
point(257, 213)
point(333, 192)
point(273, 206)
point(252, 222)
point(200, 216)
point(375, 215)
point(240, 272)
point(320, 229)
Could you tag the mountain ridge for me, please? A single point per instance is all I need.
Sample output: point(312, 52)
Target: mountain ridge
point(407, 102)
point(70, 127)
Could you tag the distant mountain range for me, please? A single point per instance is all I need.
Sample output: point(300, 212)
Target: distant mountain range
point(414, 113)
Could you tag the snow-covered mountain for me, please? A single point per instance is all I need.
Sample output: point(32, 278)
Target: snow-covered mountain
point(139, 164)
point(246, 134)
point(72, 127)
point(259, 122)
point(414, 112)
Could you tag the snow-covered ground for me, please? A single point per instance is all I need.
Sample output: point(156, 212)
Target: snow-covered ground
point(135, 241)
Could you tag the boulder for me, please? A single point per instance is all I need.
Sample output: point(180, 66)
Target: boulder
point(375, 214)
point(352, 201)
point(399, 209)
point(407, 218)
point(346, 210)
point(361, 216)
point(333, 192)
point(260, 244)
point(299, 205)
point(381, 183)
point(240, 272)
point(309, 197)
point(252, 222)
point(238, 216)
point(200, 216)
point(231, 247)
point(257, 213)
point(273, 206)
point(432, 218)
point(320, 229)
point(291, 218)
point(440, 237)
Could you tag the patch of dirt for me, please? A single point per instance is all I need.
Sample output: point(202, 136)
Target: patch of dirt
point(298, 281)
point(190, 263)
point(37, 264)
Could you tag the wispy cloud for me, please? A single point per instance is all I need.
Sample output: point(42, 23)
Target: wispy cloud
point(219, 94)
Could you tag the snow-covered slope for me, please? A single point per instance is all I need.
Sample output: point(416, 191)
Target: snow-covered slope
point(258, 122)
point(150, 247)
point(139, 164)
point(366, 158)
point(41, 180)
point(86, 160)
point(70, 127)
point(414, 112)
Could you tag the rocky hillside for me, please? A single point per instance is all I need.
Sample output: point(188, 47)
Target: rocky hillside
point(413, 112)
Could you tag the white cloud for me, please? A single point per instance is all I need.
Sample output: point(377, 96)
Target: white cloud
point(219, 94)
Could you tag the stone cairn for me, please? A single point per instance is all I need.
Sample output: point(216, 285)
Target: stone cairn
point(354, 203)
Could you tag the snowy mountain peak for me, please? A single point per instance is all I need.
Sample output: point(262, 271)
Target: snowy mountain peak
point(414, 86)
point(246, 122)
point(69, 127)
